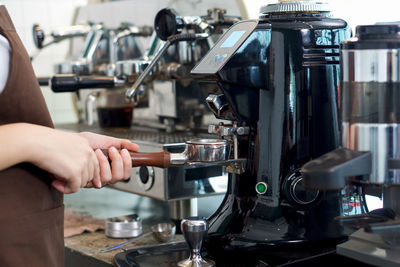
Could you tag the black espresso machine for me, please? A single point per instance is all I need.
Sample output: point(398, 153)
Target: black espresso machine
point(277, 80)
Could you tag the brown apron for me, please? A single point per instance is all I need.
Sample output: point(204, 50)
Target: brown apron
point(31, 211)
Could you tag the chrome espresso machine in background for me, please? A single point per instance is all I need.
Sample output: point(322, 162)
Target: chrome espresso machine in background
point(164, 70)
point(178, 98)
point(101, 50)
point(102, 46)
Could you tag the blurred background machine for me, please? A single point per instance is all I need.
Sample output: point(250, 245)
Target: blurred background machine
point(133, 51)
point(164, 71)
point(101, 51)
point(102, 47)
point(179, 100)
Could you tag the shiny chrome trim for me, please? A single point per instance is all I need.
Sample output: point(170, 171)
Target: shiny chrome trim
point(207, 150)
point(178, 158)
point(383, 140)
point(207, 142)
point(370, 65)
point(295, 6)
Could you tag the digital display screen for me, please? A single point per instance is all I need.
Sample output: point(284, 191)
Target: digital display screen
point(232, 39)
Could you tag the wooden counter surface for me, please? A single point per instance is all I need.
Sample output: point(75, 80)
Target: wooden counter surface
point(88, 209)
point(84, 249)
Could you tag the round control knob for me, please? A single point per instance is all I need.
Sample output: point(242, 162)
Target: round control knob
point(167, 23)
point(299, 197)
point(145, 177)
point(194, 229)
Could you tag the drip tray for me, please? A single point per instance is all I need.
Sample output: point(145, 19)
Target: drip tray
point(167, 255)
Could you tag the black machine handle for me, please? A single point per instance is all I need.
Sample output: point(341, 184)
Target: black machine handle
point(43, 81)
point(73, 83)
point(167, 23)
point(329, 172)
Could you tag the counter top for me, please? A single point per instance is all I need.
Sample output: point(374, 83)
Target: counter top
point(84, 249)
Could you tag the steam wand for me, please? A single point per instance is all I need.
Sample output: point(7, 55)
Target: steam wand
point(131, 93)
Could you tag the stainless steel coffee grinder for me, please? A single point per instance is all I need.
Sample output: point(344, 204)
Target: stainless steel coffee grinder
point(370, 155)
point(276, 79)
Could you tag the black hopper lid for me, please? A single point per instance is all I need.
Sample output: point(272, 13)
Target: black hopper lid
point(377, 36)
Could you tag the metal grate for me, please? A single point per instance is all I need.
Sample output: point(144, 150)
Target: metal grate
point(138, 133)
point(161, 137)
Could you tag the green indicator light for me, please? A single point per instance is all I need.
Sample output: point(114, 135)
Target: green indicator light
point(261, 188)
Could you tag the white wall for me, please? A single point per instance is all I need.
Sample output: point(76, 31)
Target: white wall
point(49, 14)
point(355, 12)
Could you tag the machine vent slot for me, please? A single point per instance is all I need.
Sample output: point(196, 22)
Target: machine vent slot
point(321, 55)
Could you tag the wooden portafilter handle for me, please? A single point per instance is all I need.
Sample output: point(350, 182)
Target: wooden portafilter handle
point(155, 159)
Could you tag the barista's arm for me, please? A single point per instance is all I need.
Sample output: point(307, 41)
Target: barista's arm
point(69, 156)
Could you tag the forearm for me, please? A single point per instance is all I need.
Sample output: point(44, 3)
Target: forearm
point(15, 143)
point(69, 156)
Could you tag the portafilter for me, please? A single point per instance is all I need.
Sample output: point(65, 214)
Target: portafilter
point(196, 151)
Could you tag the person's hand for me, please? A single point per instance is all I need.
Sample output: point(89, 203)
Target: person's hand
point(68, 156)
point(118, 153)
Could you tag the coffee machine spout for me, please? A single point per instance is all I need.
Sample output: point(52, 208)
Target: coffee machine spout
point(330, 171)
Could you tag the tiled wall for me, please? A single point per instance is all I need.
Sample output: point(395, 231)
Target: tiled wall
point(49, 14)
